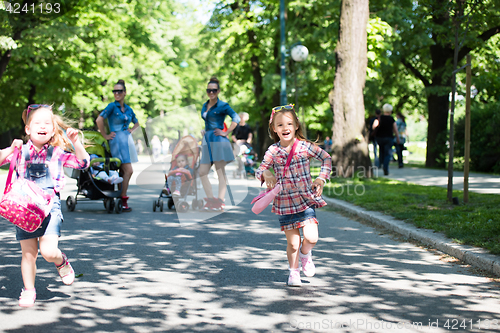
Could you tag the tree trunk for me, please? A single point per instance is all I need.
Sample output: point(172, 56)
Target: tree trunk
point(350, 149)
point(437, 130)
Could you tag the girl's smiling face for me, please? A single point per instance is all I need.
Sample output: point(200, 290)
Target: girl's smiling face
point(40, 127)
point(284, 126)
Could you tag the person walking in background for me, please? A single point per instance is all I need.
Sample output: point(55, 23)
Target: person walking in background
point(46, 153)
point(140, 146)
point(156, 147)
point(165, 147)
point(401, 126)
point(385, 127)
point(216, 147)
point(242, 135)
point(300, 196)
point(328, 144)
point(371, 135)
point(119, 116)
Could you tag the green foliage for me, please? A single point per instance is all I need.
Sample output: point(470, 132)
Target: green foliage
point(74, 61)
point(244, 38)
point(484, 137)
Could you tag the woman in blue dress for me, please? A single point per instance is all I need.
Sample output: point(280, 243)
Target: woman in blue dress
point(119, 116)
point(216, 147)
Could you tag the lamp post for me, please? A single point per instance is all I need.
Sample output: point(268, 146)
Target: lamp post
point(283, 98)
point(299, 53)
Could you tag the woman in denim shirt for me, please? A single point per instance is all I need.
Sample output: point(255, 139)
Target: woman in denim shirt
point(119, 116)
point(216, 148)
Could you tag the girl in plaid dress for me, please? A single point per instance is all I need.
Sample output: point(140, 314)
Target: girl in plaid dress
point(300, 196)
point(42, 161)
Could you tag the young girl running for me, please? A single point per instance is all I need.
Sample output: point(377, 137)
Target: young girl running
point(45, 154)
point(296, 202)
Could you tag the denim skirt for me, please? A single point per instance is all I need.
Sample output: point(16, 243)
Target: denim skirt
point(298, 220)
point(216, 148)
point(122, 146)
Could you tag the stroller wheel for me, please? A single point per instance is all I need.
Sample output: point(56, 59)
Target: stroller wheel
point(170, 203)
point(118, 206)
point(183, 207)
point(161, 205)
point(105, 202)
point(110, 205)
point(154, 206)
point(197, 204)
point(194, 204)
point(70, 203)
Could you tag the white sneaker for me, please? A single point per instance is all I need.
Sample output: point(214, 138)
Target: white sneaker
point(307, 264)
point(27, 298)
point(294, 278)
point(66, 272)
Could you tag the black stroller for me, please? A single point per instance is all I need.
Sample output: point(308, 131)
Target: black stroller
point(188, 146)
point(92, 188)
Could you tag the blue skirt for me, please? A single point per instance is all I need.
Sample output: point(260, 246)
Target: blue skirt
point(216, 148)
point(122, 146)
point(298, 220)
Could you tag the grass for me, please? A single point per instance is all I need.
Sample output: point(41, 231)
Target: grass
point(475, 223)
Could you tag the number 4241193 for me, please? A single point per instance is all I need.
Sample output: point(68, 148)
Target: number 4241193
point(43, 8)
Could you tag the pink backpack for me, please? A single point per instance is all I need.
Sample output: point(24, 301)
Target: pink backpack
point(24, 203)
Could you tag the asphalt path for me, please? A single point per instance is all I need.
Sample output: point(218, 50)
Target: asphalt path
point(148, 271)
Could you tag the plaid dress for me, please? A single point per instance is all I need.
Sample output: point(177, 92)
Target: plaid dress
point(296, 199)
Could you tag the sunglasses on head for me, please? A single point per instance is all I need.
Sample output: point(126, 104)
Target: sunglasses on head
point(33, 107)
point(278, 109)
point(212, 91)
point(283, 107)
point(118, 91)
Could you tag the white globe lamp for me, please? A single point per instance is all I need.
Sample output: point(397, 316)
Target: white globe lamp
point(299, 53)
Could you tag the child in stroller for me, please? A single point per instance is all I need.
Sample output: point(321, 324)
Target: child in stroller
point(182, 177)
point(97, 169)
point(91, 187)
point(179, 174)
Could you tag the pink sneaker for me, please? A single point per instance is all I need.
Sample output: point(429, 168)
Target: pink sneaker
point(27, 298)
point(294, 278)
point(176, 194)
point(66, 272)
point(307, 264)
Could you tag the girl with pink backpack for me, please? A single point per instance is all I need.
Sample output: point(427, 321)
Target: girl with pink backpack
point(42, 160)
point(300, 196)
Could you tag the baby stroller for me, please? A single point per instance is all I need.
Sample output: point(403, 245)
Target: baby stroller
point(93, 188)
point(246, 158)
point(188, 146)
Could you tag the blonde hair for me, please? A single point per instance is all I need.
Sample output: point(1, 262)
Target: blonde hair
point(60, 126)
point(244, 115)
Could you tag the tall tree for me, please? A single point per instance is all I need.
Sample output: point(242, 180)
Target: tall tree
point(426, 50)
point(350, 149)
